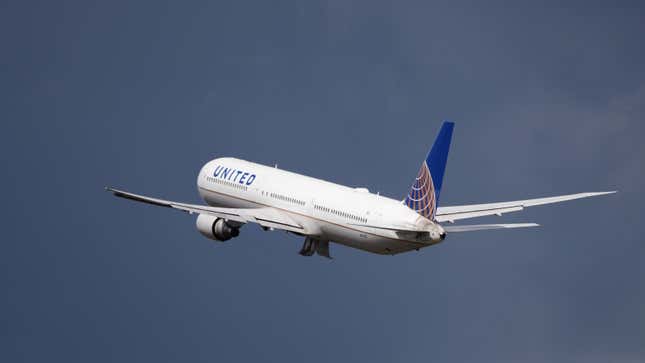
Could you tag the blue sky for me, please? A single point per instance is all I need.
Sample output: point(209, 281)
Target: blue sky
point(547, 98)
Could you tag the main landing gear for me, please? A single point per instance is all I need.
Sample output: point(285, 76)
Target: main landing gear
point(312, 245)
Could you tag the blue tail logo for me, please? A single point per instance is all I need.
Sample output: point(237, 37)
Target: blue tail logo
point(424, 193)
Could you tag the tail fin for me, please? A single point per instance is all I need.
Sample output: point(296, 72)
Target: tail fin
point(424, 193)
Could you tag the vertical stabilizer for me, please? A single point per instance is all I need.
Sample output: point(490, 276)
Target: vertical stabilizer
point(423, 196)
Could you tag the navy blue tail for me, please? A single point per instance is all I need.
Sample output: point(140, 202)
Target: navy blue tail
point(424, 193)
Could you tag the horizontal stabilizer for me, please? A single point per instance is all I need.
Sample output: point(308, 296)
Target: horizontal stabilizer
point(482, 227)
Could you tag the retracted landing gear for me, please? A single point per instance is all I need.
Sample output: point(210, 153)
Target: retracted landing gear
point(312, 245)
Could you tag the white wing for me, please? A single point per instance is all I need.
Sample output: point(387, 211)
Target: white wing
point(451, 214)
point(265, 216)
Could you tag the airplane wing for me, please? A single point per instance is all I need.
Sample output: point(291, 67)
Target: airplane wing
point(265, 216)
point(451, 214)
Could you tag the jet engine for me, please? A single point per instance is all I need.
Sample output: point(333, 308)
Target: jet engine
point(216, 228)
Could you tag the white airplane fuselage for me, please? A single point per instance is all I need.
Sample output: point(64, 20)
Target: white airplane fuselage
point(327, 210)
point(239, 192)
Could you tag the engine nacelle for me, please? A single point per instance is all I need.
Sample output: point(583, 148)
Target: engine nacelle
point(216, 228)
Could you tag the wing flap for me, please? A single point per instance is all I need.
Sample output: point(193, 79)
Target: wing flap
point(273, 218)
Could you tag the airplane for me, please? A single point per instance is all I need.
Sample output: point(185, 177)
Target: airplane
point(238, 192)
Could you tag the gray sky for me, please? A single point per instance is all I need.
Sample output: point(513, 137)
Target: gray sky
point(547, 98)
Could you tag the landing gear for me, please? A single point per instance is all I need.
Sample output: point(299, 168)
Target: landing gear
point(312, 245)
point(308, 247)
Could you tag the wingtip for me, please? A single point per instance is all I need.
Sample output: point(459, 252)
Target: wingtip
point(111, 190)
point(523, 225)
point(604, 193)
